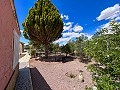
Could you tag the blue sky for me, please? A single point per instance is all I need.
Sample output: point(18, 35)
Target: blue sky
point(79, 16)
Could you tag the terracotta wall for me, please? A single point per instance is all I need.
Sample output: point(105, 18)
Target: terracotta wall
point(8, 23)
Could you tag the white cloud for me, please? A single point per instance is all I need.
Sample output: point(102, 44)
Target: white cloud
point(115, 15)
point(67, 37)
point(67, 26)
point(66, 17)
point(71, 34)
point(105, 26)
point(62, 16)
point(62, 40)
point(68, 23)
point(118, 18)
point(88, 35)
point(67, 34)
point(102, 27)
point(109, 32)
point(110, 13)
point(77, 28)
point(21, 31)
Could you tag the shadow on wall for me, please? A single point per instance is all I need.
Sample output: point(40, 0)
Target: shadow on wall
point(38, 80)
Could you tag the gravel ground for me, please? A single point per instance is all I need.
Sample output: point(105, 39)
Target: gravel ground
point(53, 75)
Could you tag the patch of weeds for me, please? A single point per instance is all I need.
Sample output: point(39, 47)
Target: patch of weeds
point(70, 75)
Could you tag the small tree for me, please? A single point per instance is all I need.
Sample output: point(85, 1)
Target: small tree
point(27, 47)
point(80, 44)
point(54, 48)
point(33, 52)
point(105, 49)
point(43, 24)
point(66, 49)
point(72, 46)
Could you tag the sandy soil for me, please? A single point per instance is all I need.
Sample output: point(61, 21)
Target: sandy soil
point(54, 75)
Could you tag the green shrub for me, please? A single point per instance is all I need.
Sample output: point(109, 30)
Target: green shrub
point(33, 52)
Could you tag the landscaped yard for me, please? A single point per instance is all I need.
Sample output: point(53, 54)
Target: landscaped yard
point(59, 76)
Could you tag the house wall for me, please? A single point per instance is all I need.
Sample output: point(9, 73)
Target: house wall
point(8, 23)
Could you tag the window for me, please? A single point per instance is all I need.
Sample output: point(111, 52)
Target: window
point(16, 49)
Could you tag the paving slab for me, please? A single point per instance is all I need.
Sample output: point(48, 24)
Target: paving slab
point(24, 81)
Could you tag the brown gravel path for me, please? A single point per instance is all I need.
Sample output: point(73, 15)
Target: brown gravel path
point(51, 75)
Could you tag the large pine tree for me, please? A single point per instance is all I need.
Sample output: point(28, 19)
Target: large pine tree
point(43, 24)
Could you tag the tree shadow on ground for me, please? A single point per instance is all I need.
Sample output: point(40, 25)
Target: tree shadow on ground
point(85, 60)
point(38, 81)
point(56, 58)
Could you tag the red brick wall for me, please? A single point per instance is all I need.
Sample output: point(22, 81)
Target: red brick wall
point(7, 25)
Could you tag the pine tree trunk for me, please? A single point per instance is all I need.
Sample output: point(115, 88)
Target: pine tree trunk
point(46, 51)
point(55, 56)
point(66, 54)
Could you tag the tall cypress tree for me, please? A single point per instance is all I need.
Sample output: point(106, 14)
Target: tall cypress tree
point(43, 24)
